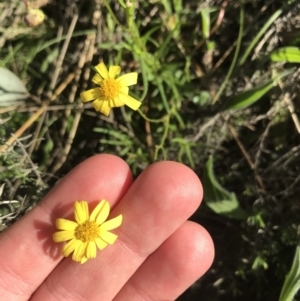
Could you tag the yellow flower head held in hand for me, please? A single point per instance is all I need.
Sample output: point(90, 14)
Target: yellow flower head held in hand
point(87, 232)
point(112, 92)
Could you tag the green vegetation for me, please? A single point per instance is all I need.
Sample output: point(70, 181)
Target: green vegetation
point(219, 83)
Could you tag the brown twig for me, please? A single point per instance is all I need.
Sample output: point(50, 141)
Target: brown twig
point(289, 102)
point(220, 18)
point(244, 151)
point(85, 57)
point(63, 53)
point(23, 128)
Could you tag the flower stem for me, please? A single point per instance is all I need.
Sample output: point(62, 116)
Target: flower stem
point(162, 142)
point(151, 120)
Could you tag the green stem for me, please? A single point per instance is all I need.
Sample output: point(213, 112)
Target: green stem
point(236, 54)
point(162, 142)
point(145, 79)
point(112, 13)
point(151, 120)
point(163, 96)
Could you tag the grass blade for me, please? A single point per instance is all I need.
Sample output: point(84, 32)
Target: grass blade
point(259, 35)
point(292, 281)
point(247, 98)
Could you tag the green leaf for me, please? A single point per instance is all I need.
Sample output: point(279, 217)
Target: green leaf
point(286, 55)
point(218, 198)
point(202, 99)
point(12, 89)
point(292, 281)
point(205, 16)
point(259, 35)
point(260, 262)
point(247, 98)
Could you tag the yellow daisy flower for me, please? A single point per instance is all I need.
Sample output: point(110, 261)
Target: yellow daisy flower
point(113, 92)
point(87, 232)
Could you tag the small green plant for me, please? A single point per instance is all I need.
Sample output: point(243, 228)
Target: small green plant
point(292, 281)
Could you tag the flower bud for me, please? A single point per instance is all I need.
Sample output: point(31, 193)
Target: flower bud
point(34, 17)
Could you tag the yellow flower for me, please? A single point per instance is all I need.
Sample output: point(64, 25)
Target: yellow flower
point(34, 17)
point(113, 92)
point(87, 232)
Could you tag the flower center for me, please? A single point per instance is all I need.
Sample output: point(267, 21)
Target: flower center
point(110, 88)
point(86, 232)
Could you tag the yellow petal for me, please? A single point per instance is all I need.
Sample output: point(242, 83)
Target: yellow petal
point(83, 260)
point(97, 104)
point(131, 102)
point(97, 79)
point(79, 251)
point(63, 236)
point(81, 211)
point(111, 224)
point(116, 102)
point(70, 247)
point(101, 106)
point(113, 71)
point(91, 250)
point(64, 224)
point(101, 68)
point(100, 243)
point(90, 95)
point(108, 237)
point(101, 212)
point(128, 79)
point(124, 89)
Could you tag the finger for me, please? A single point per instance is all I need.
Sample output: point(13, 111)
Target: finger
point(157, 204)
point(27, 251)
point(184, 257)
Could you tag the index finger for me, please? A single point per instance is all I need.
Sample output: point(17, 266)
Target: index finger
point(27, 252)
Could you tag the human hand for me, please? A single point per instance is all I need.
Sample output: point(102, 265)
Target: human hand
point(157, 255)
